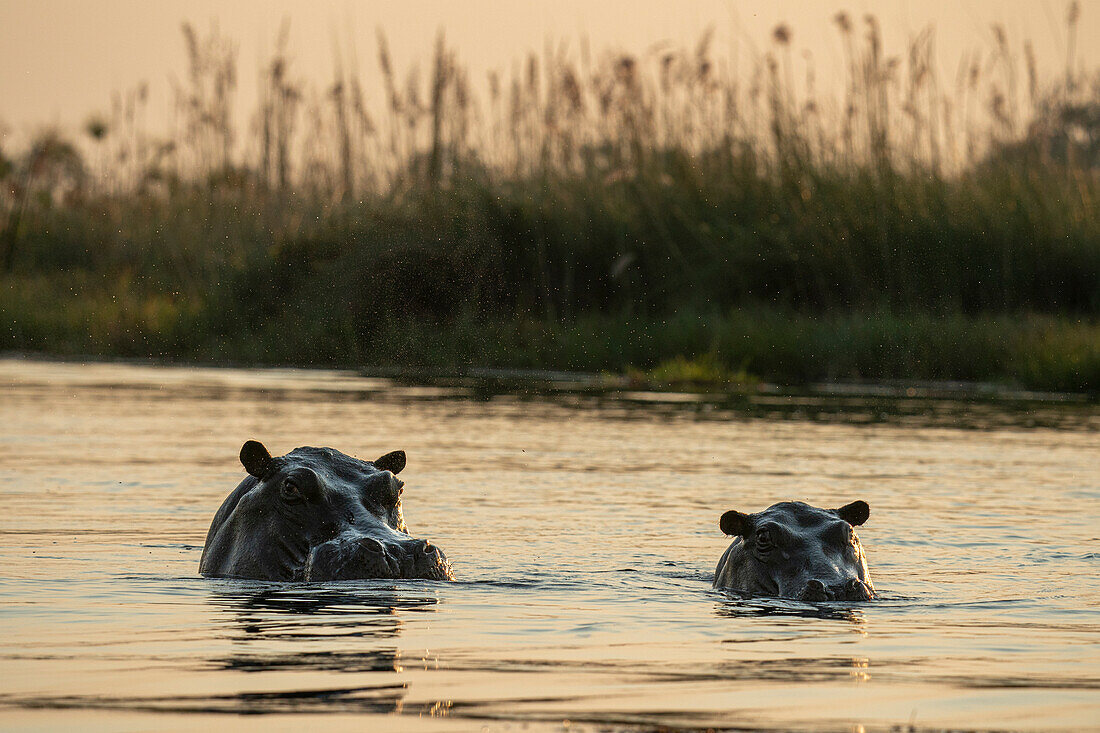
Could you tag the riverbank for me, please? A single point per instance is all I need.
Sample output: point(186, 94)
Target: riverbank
point(668, 219)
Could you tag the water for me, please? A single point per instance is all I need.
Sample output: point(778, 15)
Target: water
point(583, 530)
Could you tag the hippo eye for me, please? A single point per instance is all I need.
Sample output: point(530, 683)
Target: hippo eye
point(392, 494)
point(763, 540)
point(290, 491)
point(846, 535)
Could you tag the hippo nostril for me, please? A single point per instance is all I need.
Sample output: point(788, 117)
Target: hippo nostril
point(858, 590)
point(815, 591)
point(372, 545)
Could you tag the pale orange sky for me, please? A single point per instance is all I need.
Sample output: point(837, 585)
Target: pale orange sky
point(60, 60)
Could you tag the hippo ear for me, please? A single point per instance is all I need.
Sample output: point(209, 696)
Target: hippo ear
point(392, 462)
point(735, 523)
point(256, 459)
point(855, 513)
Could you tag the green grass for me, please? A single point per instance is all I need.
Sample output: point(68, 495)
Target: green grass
point(731, 349)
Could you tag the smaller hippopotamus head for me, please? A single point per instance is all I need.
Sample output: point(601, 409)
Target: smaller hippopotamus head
point(794, 550)
point(317, 514)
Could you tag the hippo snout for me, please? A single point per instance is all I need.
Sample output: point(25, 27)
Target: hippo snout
point(852, 589)
point(354, 556)
point(427, 561)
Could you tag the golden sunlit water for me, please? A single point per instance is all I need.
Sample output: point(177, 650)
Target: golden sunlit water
point(583, 532)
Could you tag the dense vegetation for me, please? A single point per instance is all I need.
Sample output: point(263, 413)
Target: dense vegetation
point(604, 214)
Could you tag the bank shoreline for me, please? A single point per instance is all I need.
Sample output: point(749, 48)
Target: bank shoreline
point(484, 380)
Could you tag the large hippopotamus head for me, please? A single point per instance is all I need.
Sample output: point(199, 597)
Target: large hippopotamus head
point(794, 550)
point(317, 514)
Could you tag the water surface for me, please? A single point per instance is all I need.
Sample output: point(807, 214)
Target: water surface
point(583, 532)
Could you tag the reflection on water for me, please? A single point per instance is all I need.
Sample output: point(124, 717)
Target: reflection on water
point(372, 699)
point(338, 597)
point(274, 622)
point(582, 524)
point(748, 607)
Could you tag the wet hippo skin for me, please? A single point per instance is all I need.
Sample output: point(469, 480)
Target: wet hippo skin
point(317, 514)
point(794, 550)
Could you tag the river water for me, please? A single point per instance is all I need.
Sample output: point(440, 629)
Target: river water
point(583, 530)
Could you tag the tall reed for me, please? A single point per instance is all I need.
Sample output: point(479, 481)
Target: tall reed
point(578, 185)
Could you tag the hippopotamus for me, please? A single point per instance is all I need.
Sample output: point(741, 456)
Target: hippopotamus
point(794, 550)
point(317, 514)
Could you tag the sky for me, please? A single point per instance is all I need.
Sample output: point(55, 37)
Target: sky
point(61, 60)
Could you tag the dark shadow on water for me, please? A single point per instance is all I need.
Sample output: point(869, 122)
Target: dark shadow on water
point(357, 661)
point(384, 698)
point(958, 405)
